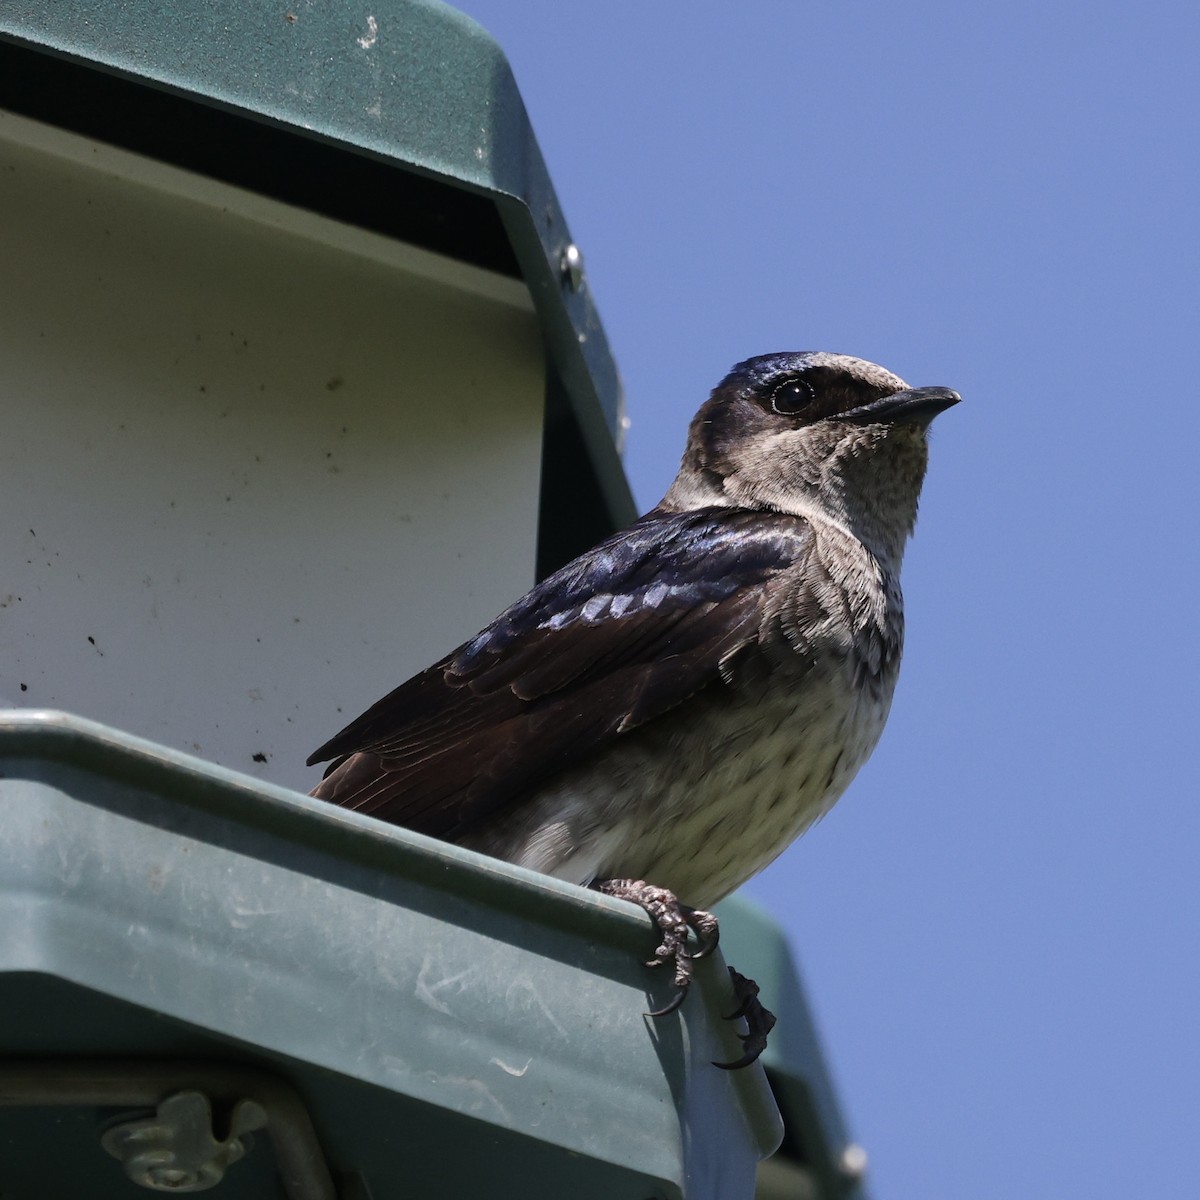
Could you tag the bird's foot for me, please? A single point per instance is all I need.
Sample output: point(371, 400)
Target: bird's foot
point(674, 922)
point(759, 1021)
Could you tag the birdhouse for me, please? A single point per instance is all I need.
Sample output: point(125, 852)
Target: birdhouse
point(302, 383)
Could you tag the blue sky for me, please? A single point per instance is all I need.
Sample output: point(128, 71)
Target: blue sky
point(998, 925)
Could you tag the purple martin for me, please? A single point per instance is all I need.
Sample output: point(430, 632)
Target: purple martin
point(661, 717)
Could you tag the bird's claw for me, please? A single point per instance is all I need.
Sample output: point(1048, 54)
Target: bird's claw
point(759, 1021)
point(675, 922)
point(706, 928)
point(671, 1005)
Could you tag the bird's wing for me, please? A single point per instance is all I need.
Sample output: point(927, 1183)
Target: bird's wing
point(614, 639)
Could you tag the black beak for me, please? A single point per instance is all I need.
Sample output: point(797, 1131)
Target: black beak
point(916, 406)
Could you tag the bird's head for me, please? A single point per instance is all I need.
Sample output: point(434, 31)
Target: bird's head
point(813, 434)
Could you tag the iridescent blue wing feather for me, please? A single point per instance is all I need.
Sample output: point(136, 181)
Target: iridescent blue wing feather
point(612, 640)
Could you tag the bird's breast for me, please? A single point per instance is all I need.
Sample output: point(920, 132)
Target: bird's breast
point(702, 798)
point(748, 778)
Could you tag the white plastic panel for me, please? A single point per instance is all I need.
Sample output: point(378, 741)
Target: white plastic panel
point(256, 467)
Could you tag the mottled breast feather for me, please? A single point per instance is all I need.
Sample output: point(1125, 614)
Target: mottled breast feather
point(616, 638)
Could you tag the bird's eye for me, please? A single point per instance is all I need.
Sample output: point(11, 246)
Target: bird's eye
point(791, 397)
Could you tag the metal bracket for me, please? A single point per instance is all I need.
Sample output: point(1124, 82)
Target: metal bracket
point(176, 1150)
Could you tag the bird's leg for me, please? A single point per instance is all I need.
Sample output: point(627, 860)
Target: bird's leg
point(674, 921)
point(759, 1021)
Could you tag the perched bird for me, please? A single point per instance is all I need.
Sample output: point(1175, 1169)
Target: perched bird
point(664, 715)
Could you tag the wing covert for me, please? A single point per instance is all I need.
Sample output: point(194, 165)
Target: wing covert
point(617, 637)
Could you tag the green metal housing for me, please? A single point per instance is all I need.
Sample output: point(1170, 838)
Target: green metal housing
point(454, 1025)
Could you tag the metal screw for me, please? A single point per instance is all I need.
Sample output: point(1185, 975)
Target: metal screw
point(571, 267)
point(853, 1162)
